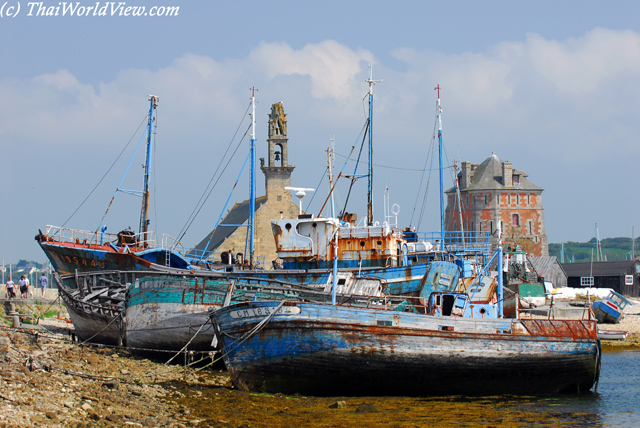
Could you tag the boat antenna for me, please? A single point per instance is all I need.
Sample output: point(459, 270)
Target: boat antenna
point(439, 113)
point(252, 185)
point(371, 82)
point(144, 215)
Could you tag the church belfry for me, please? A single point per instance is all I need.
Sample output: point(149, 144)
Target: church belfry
point(277, 172)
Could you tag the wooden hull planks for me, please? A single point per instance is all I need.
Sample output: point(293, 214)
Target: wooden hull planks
point(332, 350)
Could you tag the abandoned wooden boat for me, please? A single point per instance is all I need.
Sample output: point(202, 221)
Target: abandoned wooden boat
point(172, 312)
point(610, 309)
point(324, 349)
point(94, 303)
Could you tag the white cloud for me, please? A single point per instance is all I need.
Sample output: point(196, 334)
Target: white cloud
point(333, 68)
point(580, 66)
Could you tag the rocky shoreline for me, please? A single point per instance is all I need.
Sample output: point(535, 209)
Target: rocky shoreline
point(46, 380)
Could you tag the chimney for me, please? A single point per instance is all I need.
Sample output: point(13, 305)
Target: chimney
point(507, 174)
point(465, 175)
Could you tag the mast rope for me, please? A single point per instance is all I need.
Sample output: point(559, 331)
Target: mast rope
point(106, 173)
point(430, 155)
point(317, 187)
point(245, 336)
point(353, 177)
point(203, 199)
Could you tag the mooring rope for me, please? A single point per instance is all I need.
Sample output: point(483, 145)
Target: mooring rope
point(103, 329)
point(245, 336)
point(188, 343)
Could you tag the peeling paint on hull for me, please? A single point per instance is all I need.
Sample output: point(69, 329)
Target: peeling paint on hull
point(333, 350)
point(165, 314)
point(67, 258)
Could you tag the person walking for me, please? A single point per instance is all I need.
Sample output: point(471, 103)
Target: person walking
point(24, 287)
point(10, 289)
point(43, 283)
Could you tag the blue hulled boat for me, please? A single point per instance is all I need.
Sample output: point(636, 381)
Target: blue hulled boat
point(610, 309)
point(323, 349)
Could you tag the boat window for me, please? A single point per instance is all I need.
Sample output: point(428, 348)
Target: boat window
point(447, 304)
point(362, 244)
point(288, 226)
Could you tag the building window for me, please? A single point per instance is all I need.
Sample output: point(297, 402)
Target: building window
point(530, 228)
point(515, 220)
point(528, 199)
point(486, 199)
point(516, 178)
point(517, 199)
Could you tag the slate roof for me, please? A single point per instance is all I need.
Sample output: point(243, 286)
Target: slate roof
point(488, 176)
point(616, 268)
point(545, 265)
point(239, 214)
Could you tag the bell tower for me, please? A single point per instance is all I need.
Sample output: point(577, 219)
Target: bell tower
point(277, 172)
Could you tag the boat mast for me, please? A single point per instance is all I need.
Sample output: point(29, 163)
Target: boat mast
point(144, 215)
point(330, 161)
point(371, 82)
point(439, 113)
point(252, 184)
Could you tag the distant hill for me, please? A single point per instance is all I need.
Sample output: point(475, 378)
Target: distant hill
point(612, 249)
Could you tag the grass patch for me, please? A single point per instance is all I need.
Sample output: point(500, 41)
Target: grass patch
point(51, 313)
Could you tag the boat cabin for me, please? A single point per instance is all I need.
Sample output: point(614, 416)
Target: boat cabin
point(307, 243)
point(610, 309)
point(458, 305)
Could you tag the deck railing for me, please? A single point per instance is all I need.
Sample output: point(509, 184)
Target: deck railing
point(145, 240)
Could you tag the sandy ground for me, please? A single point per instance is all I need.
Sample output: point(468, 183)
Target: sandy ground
point(630, 323)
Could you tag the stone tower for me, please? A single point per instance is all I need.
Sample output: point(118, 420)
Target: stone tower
point(275, 204)
point(495, 196)
point(277, 172)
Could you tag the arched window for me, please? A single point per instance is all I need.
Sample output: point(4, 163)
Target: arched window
point(515, 220)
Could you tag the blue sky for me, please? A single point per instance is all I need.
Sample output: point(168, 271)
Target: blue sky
point(551, 86)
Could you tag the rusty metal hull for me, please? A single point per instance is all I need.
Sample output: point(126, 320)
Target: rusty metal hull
point(68, 258)
point(332, 350)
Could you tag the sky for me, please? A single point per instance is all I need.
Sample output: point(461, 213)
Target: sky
point(552, 86)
